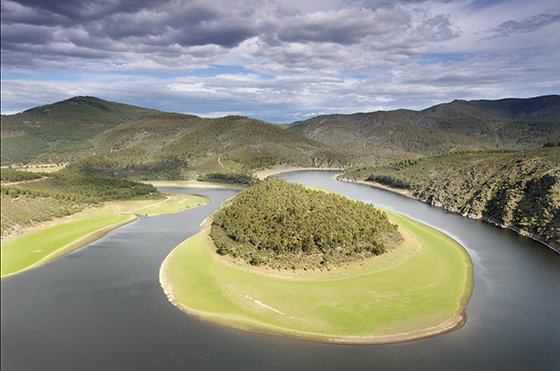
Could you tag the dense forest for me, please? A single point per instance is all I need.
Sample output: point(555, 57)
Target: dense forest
point(288, 226)
point(517, 189)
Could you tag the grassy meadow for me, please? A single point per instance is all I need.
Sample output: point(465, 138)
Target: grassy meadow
point(63, 235)
point(418, 289)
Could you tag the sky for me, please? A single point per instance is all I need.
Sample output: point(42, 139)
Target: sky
point(277, 60)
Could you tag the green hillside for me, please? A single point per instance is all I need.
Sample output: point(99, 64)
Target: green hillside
point(518, 189)
point(185, 146)
point(389, 130)
point(458, 125)
point(61, 131)
point(544, 108)
point(141, 143)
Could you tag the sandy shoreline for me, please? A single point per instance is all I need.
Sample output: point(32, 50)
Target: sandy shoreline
point(192, 184)
point(404, 192)
point(263, 174)
point(260, 174)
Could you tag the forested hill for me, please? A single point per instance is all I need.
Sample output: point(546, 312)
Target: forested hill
point(288, 226)
point(505, 123)
point(142, 143)
point(178, 146)
point(516, 189)
point(60, 131)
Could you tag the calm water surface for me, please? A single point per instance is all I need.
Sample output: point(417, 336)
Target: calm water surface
point(101, 307)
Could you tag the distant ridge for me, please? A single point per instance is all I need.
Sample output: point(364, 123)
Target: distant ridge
point(505, 123)
point(128, 136)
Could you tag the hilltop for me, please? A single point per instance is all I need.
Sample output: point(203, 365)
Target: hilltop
point(87, 126)
point(458, 125)
point(140, 143)
point(60, 131)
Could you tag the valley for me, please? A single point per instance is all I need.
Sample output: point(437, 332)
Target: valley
point(435, 144)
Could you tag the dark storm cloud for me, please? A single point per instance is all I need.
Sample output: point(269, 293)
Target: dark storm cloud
point(289, 58)
point(24, 34)
point(527, 25)
point(69, 28)
point(118, 20)
point(137, 29)
point(88, 10)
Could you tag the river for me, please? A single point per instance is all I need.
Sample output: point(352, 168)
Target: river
point(101, 307)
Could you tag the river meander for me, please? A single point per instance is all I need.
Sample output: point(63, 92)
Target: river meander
point(101, 307)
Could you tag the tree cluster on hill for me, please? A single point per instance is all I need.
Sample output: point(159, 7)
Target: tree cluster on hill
point(60, 194)
point(517, 189)
point(88, 187)
point(287, 226)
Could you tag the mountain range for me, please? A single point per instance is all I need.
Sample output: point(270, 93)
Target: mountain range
point(483, 159)
point(478, 124)
point(139, 141)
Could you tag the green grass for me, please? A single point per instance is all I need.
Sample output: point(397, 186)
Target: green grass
point(41, 246)
point(44, 245)
point(416, 290)
point(19, 213)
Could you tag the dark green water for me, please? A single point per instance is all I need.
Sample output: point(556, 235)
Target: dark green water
point(101, 307)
